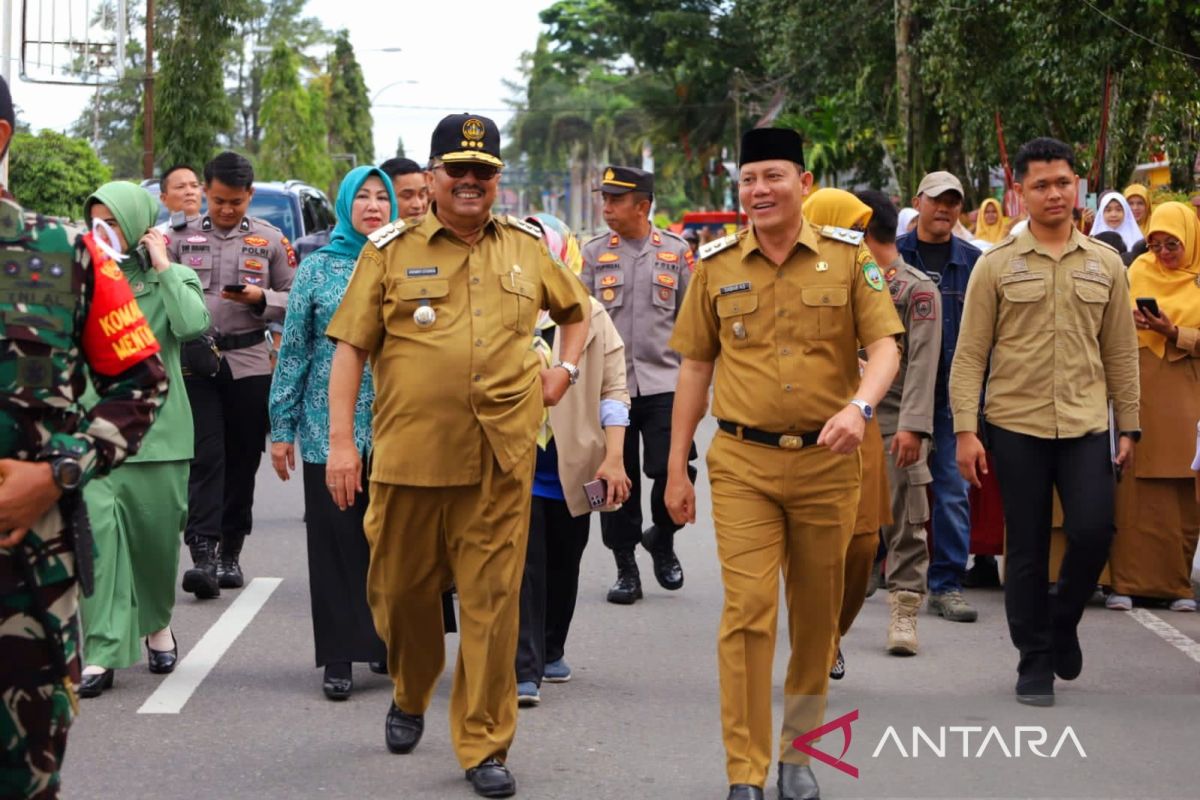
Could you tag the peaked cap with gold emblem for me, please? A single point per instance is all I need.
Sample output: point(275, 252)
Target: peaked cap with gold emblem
point(466, 137)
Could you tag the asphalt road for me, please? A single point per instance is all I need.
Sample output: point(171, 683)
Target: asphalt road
point(640, 718)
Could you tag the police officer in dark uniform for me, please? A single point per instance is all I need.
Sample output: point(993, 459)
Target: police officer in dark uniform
point(69, 316)
point(639, 274)
point(245, 266)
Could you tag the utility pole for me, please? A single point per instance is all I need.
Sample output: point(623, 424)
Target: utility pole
point(148, 97)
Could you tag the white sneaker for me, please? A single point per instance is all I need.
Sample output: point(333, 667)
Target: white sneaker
point(1119, 602)
point(1183, 604)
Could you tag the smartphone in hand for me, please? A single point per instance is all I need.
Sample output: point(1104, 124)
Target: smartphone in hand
point(235, 287)
point(597, 493)
point(1148, 305)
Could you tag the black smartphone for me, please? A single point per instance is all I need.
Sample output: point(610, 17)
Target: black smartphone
point(235, 287)
point(1148, 305)
point(142, 257)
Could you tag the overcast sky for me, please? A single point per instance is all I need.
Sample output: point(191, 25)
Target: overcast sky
point(457, 53)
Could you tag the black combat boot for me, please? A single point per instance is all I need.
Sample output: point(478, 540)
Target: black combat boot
point(628, 588)
point(201, 579)
point(229, 571)
point(667, 568)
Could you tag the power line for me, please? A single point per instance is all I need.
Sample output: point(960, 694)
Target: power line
point(1141, 36)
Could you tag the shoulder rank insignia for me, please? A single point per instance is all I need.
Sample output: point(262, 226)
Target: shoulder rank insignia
point(656, 239)
point(716, 246)
point(840, 234)
point(387, 233)
point(522, 225)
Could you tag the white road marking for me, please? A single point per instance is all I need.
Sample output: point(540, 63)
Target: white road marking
point(173, 693)
point(1168, 633)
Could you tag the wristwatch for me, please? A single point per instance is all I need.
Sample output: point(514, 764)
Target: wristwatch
point(866, 408)
point(572, 370)
point(1136, 436)
point(67, 472)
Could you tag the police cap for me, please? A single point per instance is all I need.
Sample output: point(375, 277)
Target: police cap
point(622, 180)
point(466, 137)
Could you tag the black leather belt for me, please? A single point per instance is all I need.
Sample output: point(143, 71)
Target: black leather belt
point(239, 341)
point(786, 441)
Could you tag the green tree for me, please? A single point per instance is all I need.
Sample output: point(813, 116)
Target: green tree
point(53, 173)
point(350, 123)
point(192, 107)
point(294, 132)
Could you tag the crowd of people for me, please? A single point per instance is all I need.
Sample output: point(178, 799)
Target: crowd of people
point(867, 365)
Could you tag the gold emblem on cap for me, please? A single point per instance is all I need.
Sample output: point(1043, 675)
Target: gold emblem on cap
point(608, 175)
point(473, 129)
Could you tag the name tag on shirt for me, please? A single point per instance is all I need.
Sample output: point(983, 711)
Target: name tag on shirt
point(421, 272)
point(734, 288)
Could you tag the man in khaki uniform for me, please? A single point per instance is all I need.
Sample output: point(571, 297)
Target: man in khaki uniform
point(784, 304)
point(906, 418)
point(1047, 317)
point(445, 308)
point(246, 267)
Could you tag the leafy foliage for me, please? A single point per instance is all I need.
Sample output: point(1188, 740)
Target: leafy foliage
point(53, 173)
point(293, 118)
point(350, 123)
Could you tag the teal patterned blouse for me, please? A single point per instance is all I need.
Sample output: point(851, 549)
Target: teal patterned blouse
point(300, 388)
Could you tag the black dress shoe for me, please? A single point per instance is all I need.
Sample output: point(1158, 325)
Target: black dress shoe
point(1068, 658)
point(492, 779)
point(402, 731)
point(667, 569)
point(797, 782)
point(744, 791)
point(1035, 690)
point(378, 667)
point(94, 685)
point(838, 671)
point(163, 662)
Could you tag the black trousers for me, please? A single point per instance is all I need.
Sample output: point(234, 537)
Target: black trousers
point(1028, 468)
point(231, 422)
point(550, 585)
point(338, 556)
point(649, 419)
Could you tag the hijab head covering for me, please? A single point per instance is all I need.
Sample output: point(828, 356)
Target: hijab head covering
point(1176, 290)
point(134, 209)
point(561, 243)
point(1128, 228)
point(904, 219)
point(994, 232)
point(1137, 190)
point(345, 242)
point(838, 208)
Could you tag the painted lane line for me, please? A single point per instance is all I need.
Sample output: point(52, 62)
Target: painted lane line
point(173, 693)
point(1168, 633)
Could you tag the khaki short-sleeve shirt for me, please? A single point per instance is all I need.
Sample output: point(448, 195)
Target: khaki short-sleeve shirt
point(787, 335)
point(469, 374)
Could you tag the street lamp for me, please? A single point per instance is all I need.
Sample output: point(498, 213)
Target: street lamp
point(375, 96)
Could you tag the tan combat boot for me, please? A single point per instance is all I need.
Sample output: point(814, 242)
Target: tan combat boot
point(902, 630)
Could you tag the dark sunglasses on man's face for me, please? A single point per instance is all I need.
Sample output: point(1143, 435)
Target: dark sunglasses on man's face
point(482, 172)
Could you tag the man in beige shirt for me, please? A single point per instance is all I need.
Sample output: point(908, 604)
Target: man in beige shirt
point(1048, 312)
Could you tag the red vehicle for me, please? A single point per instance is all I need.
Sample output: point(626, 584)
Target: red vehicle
point(730, 221)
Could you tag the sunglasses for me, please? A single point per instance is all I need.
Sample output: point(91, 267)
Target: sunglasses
point(482, 172)
point(1171, 247)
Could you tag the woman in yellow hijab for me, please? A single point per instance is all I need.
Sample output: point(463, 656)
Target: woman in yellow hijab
point(841, 209)
point(991, 224)
point(1158, 522)
point(1138, 197)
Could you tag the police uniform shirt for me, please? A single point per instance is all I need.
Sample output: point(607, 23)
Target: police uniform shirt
point(254, 253)
point(908, 404)
point(641, 286)
point(1059, 335)
point(449, 328)
point(788, 335)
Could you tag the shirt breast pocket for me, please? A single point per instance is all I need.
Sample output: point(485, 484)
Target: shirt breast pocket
point(1093, 290)
point(518, 306)
point(739, 322)
point(826, 312)
point(610, 288)
point(201, 264)
point(1024, 301)
point(665, 285)
point(405, 297)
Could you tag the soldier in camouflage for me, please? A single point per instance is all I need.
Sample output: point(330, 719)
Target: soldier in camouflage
point(68, 315)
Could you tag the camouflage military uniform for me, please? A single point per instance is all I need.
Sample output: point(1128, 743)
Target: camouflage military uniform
point(64, 321)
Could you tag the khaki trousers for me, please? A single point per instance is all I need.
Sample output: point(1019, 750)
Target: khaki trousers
point(874, 511)
point(777, 509)
point(906, 538)
point(424, 538)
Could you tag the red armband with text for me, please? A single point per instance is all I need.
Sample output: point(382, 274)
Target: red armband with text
point(116, 335)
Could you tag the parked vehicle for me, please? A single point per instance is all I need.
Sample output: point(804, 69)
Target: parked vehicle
point(294, 207)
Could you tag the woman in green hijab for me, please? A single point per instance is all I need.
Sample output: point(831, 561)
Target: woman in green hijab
point(138, 510)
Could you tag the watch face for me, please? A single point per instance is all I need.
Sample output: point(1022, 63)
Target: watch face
point(68, 473)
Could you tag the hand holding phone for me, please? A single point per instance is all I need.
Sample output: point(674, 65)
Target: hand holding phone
point(235, 287)
point(597, 493)
point(1148, 306)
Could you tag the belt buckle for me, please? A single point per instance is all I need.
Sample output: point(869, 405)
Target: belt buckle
point(790, 442)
